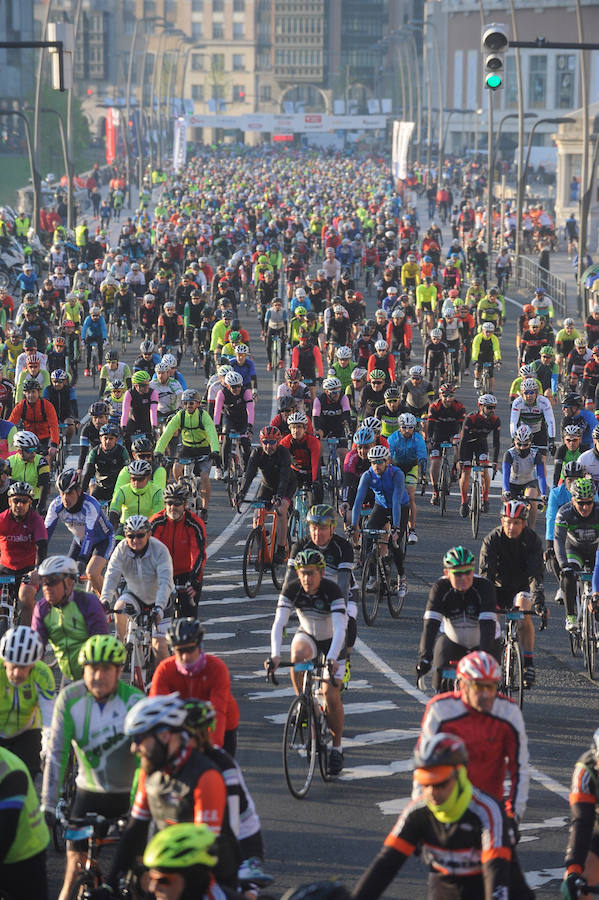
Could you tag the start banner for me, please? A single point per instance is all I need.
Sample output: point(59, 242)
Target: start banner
point(296, 123)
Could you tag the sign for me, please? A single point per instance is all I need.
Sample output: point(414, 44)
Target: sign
point(296, 123)
point(179, 143)
point(282, 137)
point(110, 135)
point(402, 132)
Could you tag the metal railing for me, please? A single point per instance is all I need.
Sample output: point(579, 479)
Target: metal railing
point(528, 274)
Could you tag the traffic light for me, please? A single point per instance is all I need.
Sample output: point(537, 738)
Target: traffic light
point(494, 44)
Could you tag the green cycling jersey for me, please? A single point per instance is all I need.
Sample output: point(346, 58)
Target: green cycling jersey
point(32, 835)
point(27, 705)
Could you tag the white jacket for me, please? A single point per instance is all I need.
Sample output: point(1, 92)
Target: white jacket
point(149, 577)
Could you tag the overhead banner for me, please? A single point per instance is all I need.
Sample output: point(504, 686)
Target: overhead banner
point(296, 123)
point(179, 143)
point(402, 132)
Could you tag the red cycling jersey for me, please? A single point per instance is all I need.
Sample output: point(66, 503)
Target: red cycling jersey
point(18, 539)
point(186, 542)
point(305, 454)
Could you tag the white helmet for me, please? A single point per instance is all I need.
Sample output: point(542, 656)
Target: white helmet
point(222, 370)
point(161, 367)
point(170, 359)
point(568, 322)
point(163, 711)
point(358, 374)
point(137, 523)
point(26, 440)
point(343, 353)
point(534, 321)
point(523, 435)
point(331, 384)
point(373, 422)
point(242, 348)
point(407, 420)
point(378, 452)
point(488, 327)
point(530, 384)
point(233, 379)
point(21, 646)
point(448, 310)
point(487, 400)
point(416, 371)
point(297, 418)
point(436, 333)
point(58, 565)
point(381, 344)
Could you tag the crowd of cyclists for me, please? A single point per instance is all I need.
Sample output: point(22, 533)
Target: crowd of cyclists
point(371, 322)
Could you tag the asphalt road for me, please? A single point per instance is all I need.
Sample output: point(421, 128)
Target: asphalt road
point(338, 829)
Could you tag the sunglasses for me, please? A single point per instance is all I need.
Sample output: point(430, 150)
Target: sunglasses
point(482, 686)
point(586, 502)
point(377, 382)
point(529, 393)
point(136, 535)
point(21, 499)
point(572, 438)
point(188, 648)
point(268, 443)
point(51, 580)
point(174, 503)
point(489, 407)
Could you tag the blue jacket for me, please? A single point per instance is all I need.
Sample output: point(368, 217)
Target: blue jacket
point(557, 497)
point(302, 301)
point(247, 371)
point(389, 492)
point(95, 330)
point(407, 452)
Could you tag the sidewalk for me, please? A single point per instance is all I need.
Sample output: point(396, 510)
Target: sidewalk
point(563, 267)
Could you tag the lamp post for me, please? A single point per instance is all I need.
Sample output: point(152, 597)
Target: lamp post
point(153, 118)
point(141, 83)
point(173, 52)
point(561, 120)
point(76, 23)
point(35, 178)
point(450, 112)
point(504, 119)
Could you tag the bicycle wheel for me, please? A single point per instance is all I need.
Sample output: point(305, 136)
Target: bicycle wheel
point(299, 747)
point(293, 527)
point(590, 645)
point(253, 562)
point(325, 742)
point(370, 588)
point(86, 883)
point(475, 509)
point(513, 672)
point(444, 484)
point(395, 602)
point(232, 478)
point(277, 571)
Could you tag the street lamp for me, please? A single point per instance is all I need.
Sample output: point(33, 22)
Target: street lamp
point(450, 112)
point(560, 120)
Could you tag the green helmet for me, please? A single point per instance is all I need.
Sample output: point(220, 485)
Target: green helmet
point(322, 514)
point(141, 377)
point(180, 847)
point(200, 714)
point(102, 648)
point(234, 336)
point(547, 351)
point(306, 558)
point(458, 558)
point(583, 489)
point(377, 375)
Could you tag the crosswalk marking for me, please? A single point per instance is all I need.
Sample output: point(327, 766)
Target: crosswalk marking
point(355, 773)
point(350, 709)
point(243, 618)
point(211, 588)
point(389, 735)
point(289, 692)
point(230, 601)
point(221, 636)
point(238, 652)
point(394, 807)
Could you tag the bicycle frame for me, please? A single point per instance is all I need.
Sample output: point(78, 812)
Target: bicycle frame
point(8, 611)
point(138, 641)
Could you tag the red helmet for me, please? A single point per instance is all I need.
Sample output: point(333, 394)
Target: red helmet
point(453, 293)
point(359, 296)
point(270, 433)
point(478, 666)
point(515, 509)
point(293, 375)
point(529, 310)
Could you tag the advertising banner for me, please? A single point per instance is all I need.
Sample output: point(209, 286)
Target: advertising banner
point(402, 132)
point(179, 143)
point(110, 136)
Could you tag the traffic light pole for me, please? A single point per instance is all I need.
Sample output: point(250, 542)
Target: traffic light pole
point(491, 169)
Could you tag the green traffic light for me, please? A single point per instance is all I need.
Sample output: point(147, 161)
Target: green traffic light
point(493, 81)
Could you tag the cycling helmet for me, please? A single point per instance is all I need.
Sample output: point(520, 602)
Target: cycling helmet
point(29, 343)
point(572, 431)
point(242, 348)
point(110, 428)
point(322, 514)
point(534, 322)
point(436, 333)
point(398, 313)
point(436, 757)
point(137, 523)
point(378, 453)
point(100, 408)
point(67, 479)
point(448, 311)
point(523, 435)
point(270, 433)
point(184, 631)
point(580, 342)
point(478, 666)
point(300, 310)
point(407, 420)
point(26, 440)
point(287, 403)
point(583, 489)
point(416, 372)
point(358, 374)
point(181, 846)
point(21, 646)
point(530, 384)
point(319, 890)
point(331, 385)
point(200, 714)
point(381, 345)
point(222, 370)
point(309, 557)
point(142, 445)
point(147, 346)
point(526, 371)
point(364, 436)
point(377, 375)
point(392, 393)
point(568, 322)
point(140, 377)
point(372, 422)
point(95, 311)
point(234, 336)
point(170, 359)
point(31, 385)
point(176, 490)
point(169, 305)
point(293, 375)
point(573, 469)
point(572, 400)
point(112, 356)
point(488, 327)
point(59, 375)
point(343, 353)
point(140, 467)
point(516, 509)
point(58, 565)
point(163, 711)
point(446, 388)
point(459, 559)
point(487, 400)
point(102, 648)
point(162, 367)
point(595, 433)
point(233, 379)
point(549, 351)
point(297, 418)
point(190, 396)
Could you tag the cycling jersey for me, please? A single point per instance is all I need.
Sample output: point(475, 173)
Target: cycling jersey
point(537, 415)
point(237, 411)
point(522, 468)
point(417, 396)
point(305, 454)
point(28, 705)
point(576, 536)
point(584, 797)
point(385, 363)
point(31, 835)
point(96, 732)
point(196, 429)
point(512, 564)
point(275, 469)
point(531, 343)
point(64, 401)
point(243, 817)
point(131, 501)
point(39, 417)
point(407, 451)
point(331, 416)
point(67, 628)
point(308, 360)
point(169, 395)
point(122, 372)
point(104, 466)
point(186, 541)
point(517, 383)
point(140, 410)
point(468, 617)
point(389, 493)
point(86, 522)
point(19, 540)
point(485, 349)
point(476, 430)
point(148, 576)
point(322, 616)
point(444, 422)
point(35, 472)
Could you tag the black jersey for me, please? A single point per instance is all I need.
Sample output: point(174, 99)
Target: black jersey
point(468, 617)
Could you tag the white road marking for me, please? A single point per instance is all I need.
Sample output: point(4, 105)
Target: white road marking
point(538, 877)
point(261, 649)
point(350, 709)
point(232, 601)
point(289, 692)
point(211, 588)
point(555, 822)
point(220, 636)
point(389, 735)
point(550, 783)
point(393, 807)
point(248, 617)
point(359, 773)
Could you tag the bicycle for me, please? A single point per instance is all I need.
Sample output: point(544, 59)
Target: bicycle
point(484, 381)
point(379, 577)
point(99, 832)
point(140, 662)
point(65, 803)
point(584, 595)
point(476, 496)
point(196, 353)
point(456, 364)
point(297, 527)
point(306, 734)
point(10, 615)
point(589, 627)
point(444, 485)
point(512, 666)
point(259, 550)
point(194, 500)
point(332, 478)
point(123, 333)
point(234, 472)
point(277, 354)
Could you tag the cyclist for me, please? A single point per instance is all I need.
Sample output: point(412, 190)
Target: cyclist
point(112, 371)
point(452, 822)
point(168, 389)
point(37, 415)
point(140, 496)
point(140, 407)
point(24, 834)
point(389, 412)
point(546, 371)
point(582, 852)
point(90, 433)
point(417, 393)
point(322, 613)
point(184, 534)
point(64, 400)
point(304, 449)
point(180, 861)
point(539, 334)
point(408, 453)
point(147, 359)
point(399, 336)
point(534, 410)
point(564, 342)
point(391, 504)
point(278, 481)
point(104, 463)
point(574, 413)
point(27, 692)
point(511, 557)
point(372, 395)
point(343, 367)
point(23, 543)
point(27, 465)
point(426, 302)
point(575, 543)
point(89, 716)
point(524, 472)
point(444, 424)
point(32, 372)
point(590, 458)
point(465, 604)
point(234, 412)
point(146, 566)
point(355, 464)
point(275, 322)
point(171, 329)
point(558, 496)
point(474, 446)
point(63, 617)
point(306, 357)
point(82, 515)
point(295, 387)
point(486, 354)
point(94, 332)
point(491, 309)
point(436, 355)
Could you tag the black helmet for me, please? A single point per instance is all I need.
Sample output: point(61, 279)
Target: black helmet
point(286, 404)
point(142, 445)
point(572, 400)
point(67, 479)
point(99, 408)
point(440, 749)
point(184, 631)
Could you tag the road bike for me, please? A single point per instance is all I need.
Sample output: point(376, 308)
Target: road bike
point(332, 474)
point(99, 832)
point(194, 500)
point(140, 662)
point(306, 735)
point(65, 803)
point(476, 496)
point(512, 666)
point(484, 381)
point(124, 333)
point(584, 595)
point(444, 485)
point(94, 362)
point(196, 353)
point(587, 622)
point(277, 355)
point(234, 471)
point(297, 527)
point(10, 614)
point(380, 578)
point(456, 364)
point(259, 550)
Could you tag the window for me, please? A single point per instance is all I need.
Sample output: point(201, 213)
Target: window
point(197, 5)
point(238, 5)
point(197, 92)
point(238, 31)
point(537, 82)
point(238, 62)
point(218, 5)
point(218, 62)
point(196, 30)
point(217, 91)
point(197, 62)
point(564, 81)
point(238, 93)
point(266, 92)
point(263, 60)
point(218, 31)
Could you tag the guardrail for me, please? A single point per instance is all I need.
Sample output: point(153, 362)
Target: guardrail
point(528, 274)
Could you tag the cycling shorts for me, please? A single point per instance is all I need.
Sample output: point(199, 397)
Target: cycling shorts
point(517, 490)
point(103, 549)
point(126, 599)
point(411, 474)
point(319, 647)
point(200, 454)
point(470, 450)
point(18, 573)
point(112, 806)
point(267, 493)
